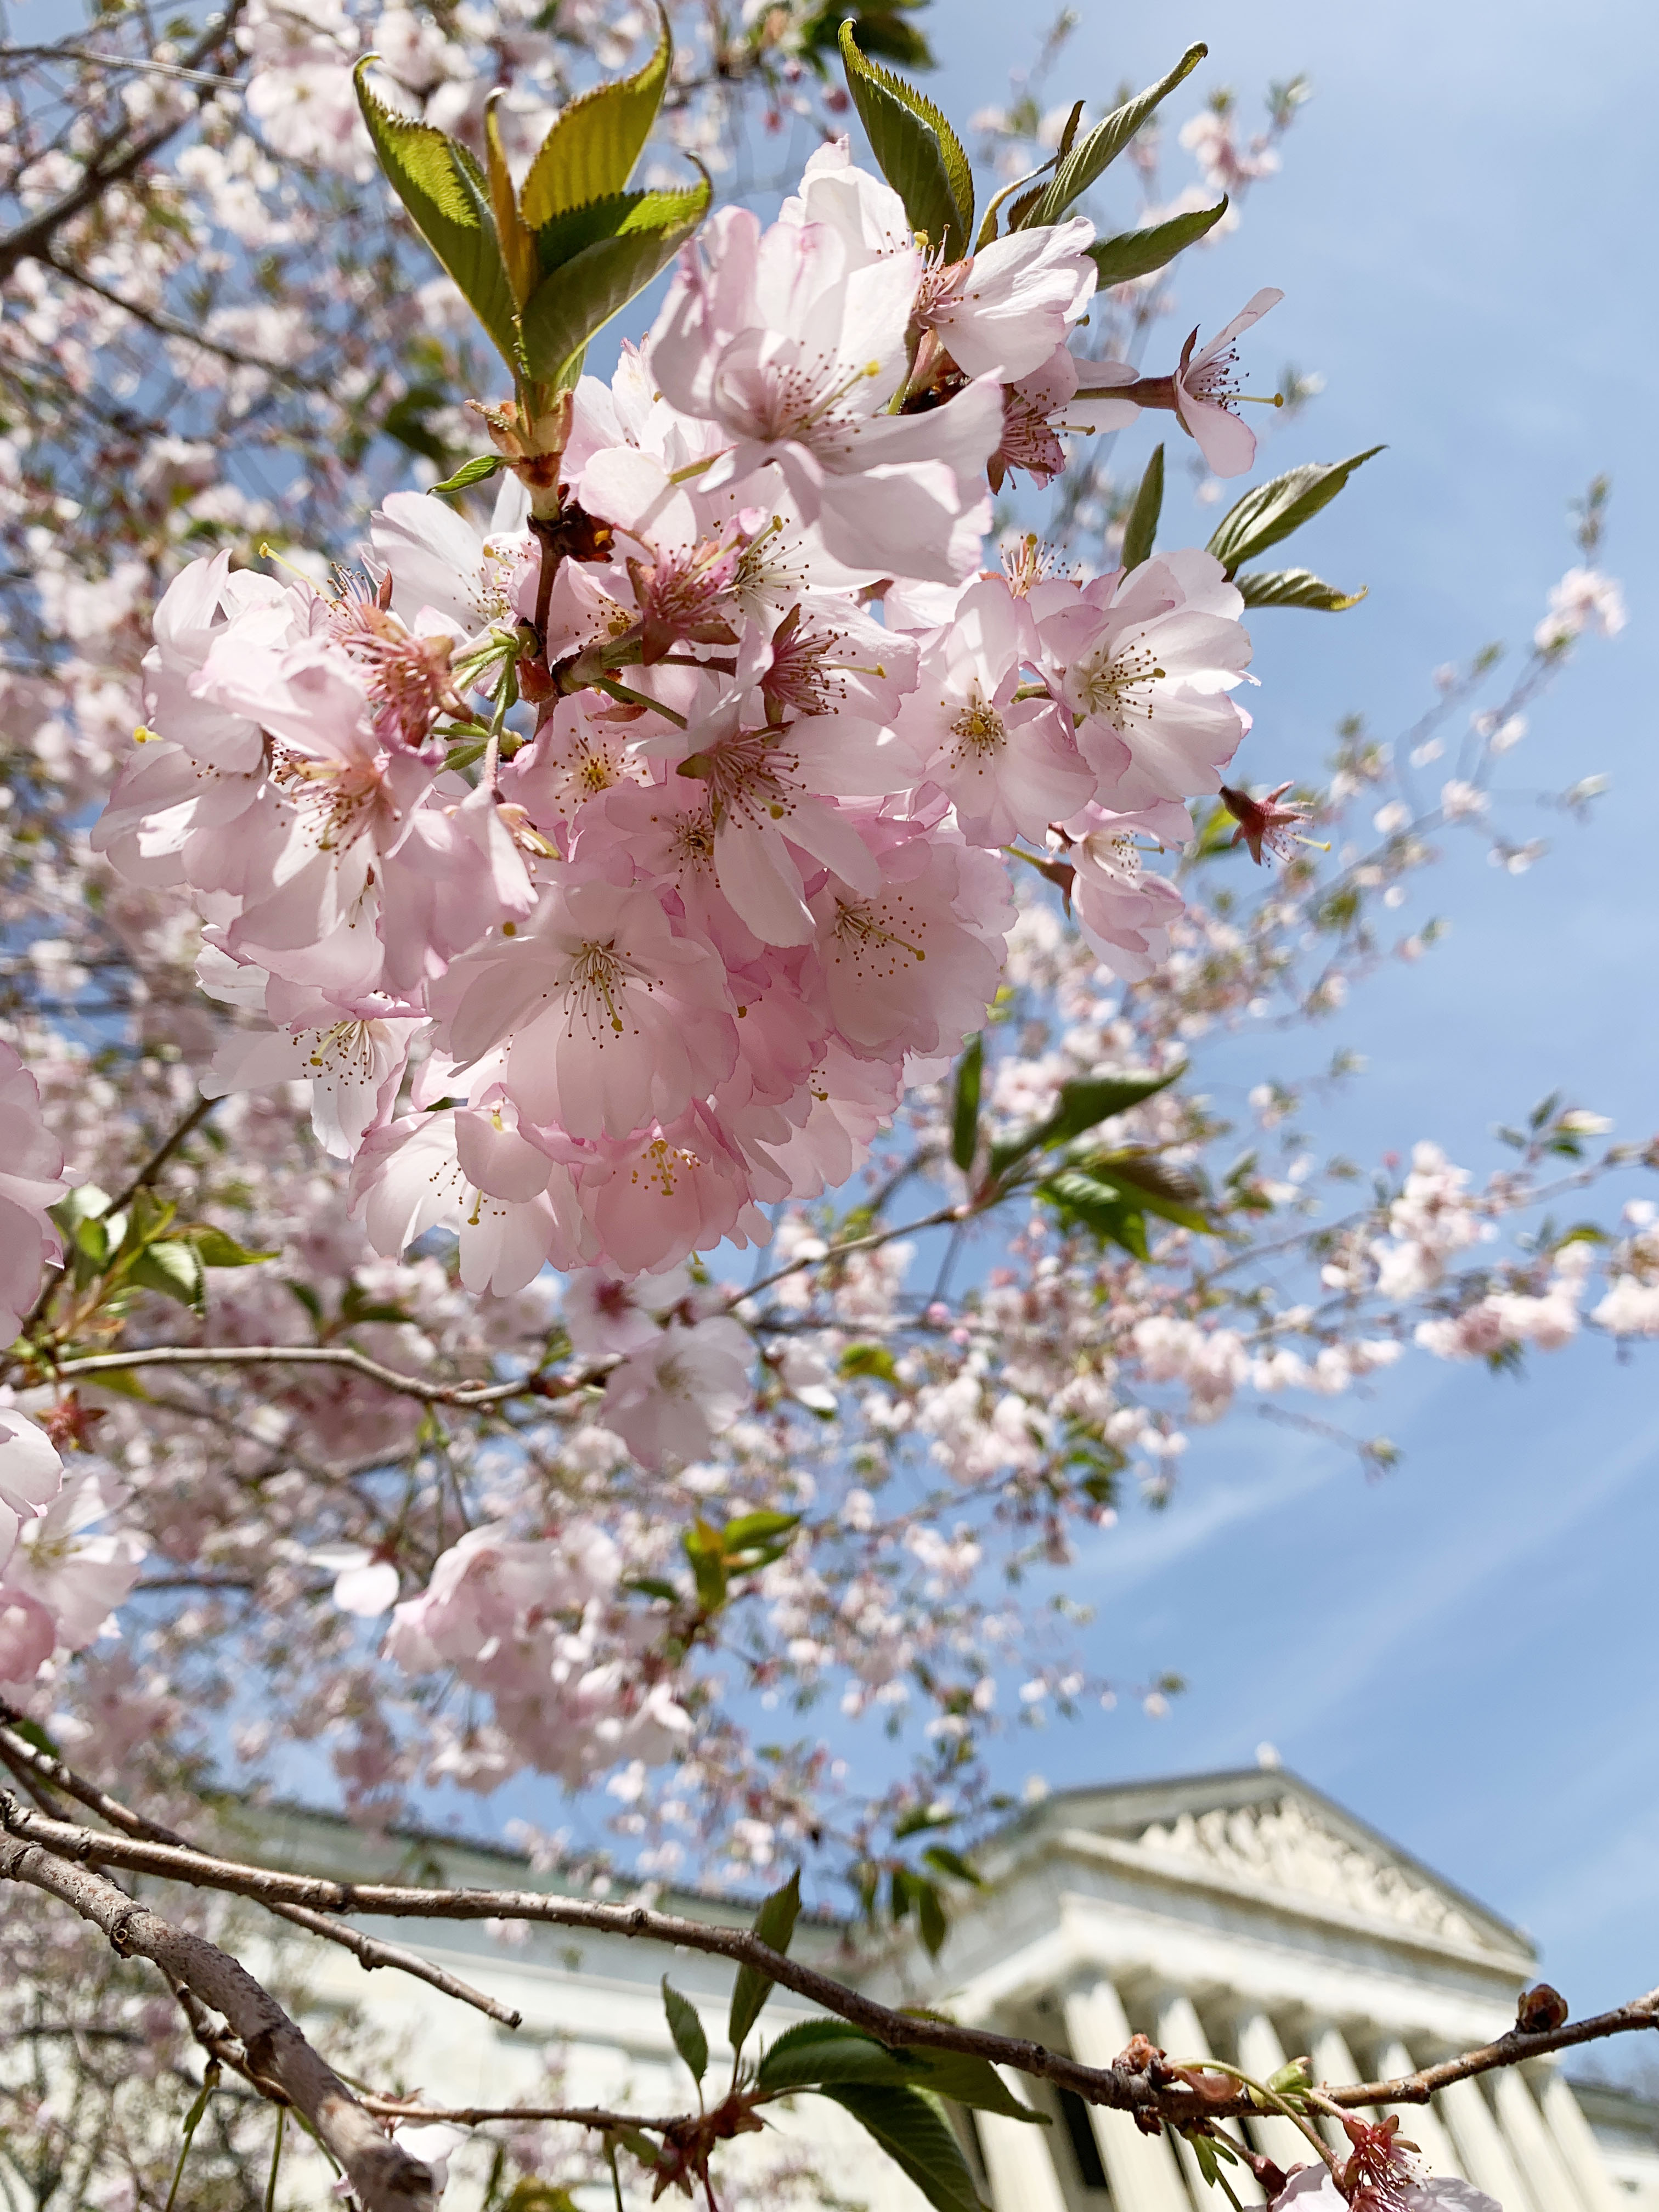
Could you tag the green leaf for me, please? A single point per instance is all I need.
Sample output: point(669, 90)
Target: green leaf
point(754, 1540)
point(775, 1924)
point(916, 150)
point(449, 202)
point(469, 473)
point(1099, 1208)
point(175, 1269)
point(943, 1860)
point(216, 1249)
point(869, 1359)
point(1141, 530)
point(85, 1203)
point(930, 1916)
point(1271, 511)
point(1094, 154)
point(815, 2052)
point(969, 2081)
point(686, 2029)
point(704, 1546)
point(918, 2138)
point(1173, 1192)
point(652, 1586)
point(1137, 253)
point(964, 1112)
point(591, 150)
point(33, 1734)
point(1295, 587)
point(1082, 1104)
point(880, 29)
point(641, 233)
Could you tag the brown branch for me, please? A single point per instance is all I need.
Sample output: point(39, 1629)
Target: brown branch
point(32, 1767)
point(383, 2177)
point(1123, 2088)
point(305, 1355)
point(198, 1113)
point(474, 2116)
point(109, 164)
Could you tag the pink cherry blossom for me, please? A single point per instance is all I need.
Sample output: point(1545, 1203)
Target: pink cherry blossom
point(31, 1179)
point(1205, 392)
point(1004, 312)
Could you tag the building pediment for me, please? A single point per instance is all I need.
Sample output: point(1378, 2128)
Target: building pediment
point(1283, 1846)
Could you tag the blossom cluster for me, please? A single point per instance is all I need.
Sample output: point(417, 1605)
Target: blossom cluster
point(678, 950)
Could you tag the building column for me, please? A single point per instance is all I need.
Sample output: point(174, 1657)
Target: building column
point(1141, 2169)
point(1018, 2162)
point(1262, 2054)
point(1481, 2150)
point(1334, 2066)
point(1574, 2139)
point(1180, 2033)
point(1420, 2123)
point(1532, 2146)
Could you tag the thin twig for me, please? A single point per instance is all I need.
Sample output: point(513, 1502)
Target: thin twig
point(32, 1766)
point(383, 2177)
point(307, 1355)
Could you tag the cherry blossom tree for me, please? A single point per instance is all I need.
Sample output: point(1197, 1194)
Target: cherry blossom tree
point(603, 1100)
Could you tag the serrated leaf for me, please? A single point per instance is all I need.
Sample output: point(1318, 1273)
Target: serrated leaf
point(1152, 1183)
point(964, 1109)
point(918, 2138)
point(1271, 511)
point(582, 293)
point(1137, 253)
point(1099, 1208)
point(591, 150)
point(915, 149)
point(775, 1924)
point(816, 2052)
point(1082, 1104)
point(1140, 529)
point(172, 1267)
point(1295, 587)
point(449, 202)
point(686, 2029)
point(969, 2081)
point(1091, 157)
point(476, 470)
point(869, 1359)
point(216, 1249)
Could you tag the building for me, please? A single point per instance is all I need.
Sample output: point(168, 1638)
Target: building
point(1239, 1916)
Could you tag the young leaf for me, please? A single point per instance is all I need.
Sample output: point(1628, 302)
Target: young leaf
point(918, 2138)
point(1154, 1183)
point(1137, 253)
point(591, 150)
point(930, 1916)
point(175, 1269)
point(816, 2052)
point(1271, 511)
point(975, 2081)
point(1295, 587)
point(1099, 1208)
point(517, 243)
point(476, 470)
point(686, 2029)
point(1141, 530)
point(1082, 1104)
point(449, 202)
point(644, 233)
point(704, 1546)
point(964, 1112)
point(1105, 143)
point(869, 1359)
point(775, 1924)
point(216, 1249)
point(916, 150)
point(943, 1860)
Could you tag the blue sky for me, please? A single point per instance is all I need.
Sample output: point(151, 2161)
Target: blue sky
point(1462, 1652)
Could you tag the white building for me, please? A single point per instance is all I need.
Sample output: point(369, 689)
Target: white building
point(1240, 1916)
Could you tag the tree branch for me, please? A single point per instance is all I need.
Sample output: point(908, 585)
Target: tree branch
point(1123, 2088)
point(31, 1767)
point(305, 1355)
point(107, 166)
point(383, 2177)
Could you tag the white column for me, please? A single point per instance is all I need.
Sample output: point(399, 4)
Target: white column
point(1420, 2123)
point(1262, 2054)
point(1180, 2033)
point(1482, 2151)
point(1141, 2169)
point(1576, 2141)
point(1018, 2163)
point(1333, 2068)
point(1532, 2146)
